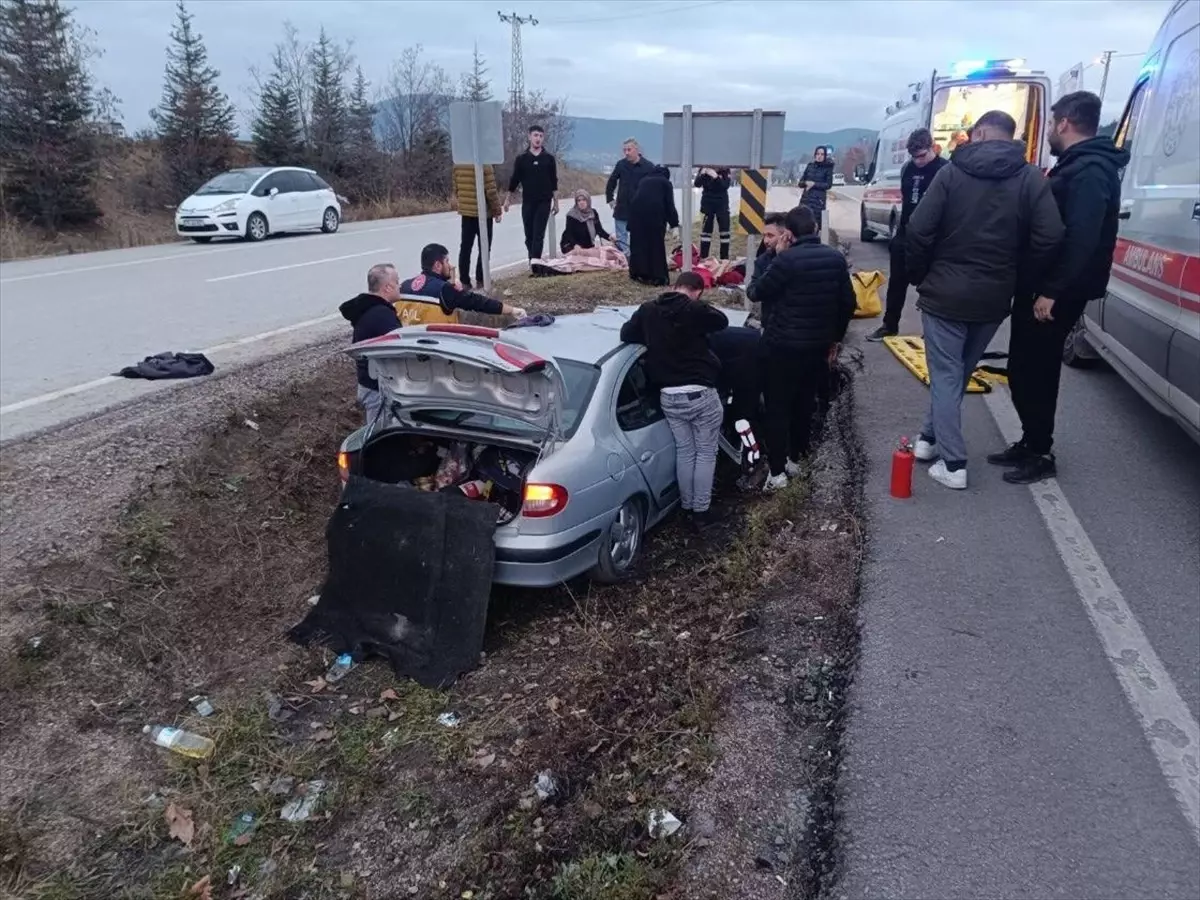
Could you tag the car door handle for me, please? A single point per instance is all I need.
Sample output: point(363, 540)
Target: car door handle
point(1125, 214)
point(1196, 212)
point(647, 456)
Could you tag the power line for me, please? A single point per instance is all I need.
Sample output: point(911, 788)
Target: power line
point(642, 12)
point(517, 91)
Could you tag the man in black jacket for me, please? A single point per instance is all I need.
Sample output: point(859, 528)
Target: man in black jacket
point(622, 184)
point(1086, 183)
point(985, 215)
point(675, 328)
point(714, 204)
point(535, 172)
point(915, 178)
point(372, 315)
point(807, 303)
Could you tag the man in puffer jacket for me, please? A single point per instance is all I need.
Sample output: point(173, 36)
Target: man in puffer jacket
point(986, 216)
point(816, 182)
point(468, 211)
point(714, 204)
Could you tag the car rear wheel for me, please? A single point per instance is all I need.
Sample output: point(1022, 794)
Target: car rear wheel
point(256, 227)
point(1077, 352)
point(865, 234)
point(202, 240)
point(621, 544)
point(330, 221)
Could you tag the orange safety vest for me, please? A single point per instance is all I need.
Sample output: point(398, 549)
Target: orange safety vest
point(416, 310)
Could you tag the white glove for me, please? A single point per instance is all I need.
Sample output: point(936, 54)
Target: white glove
point(519, 313)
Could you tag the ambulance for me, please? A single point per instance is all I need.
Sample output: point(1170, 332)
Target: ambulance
point(948, 105)
point(1147, 326)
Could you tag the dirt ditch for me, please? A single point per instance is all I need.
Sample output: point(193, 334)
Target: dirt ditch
point(710, 687)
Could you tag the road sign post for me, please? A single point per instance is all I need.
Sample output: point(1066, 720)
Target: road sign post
point(752, 234)
point(476, 138)
point(685, 195)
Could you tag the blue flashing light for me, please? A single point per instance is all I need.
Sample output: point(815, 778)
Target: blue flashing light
point(968, 67)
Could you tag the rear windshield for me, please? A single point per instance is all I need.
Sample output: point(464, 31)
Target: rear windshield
point(956, 109)
point(580, 380)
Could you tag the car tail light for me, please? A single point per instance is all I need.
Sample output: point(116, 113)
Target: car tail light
point(542, 500)
point(519, 357)
point(343, 466)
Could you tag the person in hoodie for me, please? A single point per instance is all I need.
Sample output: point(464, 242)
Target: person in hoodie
point(1086, 184)
point(435, 296)
point(915, 178)
point(714, 205)
point(650, 214)
point(985, 216)
point(622, 184)
point(816, 182)
point(675, 329)
point(807, 303)
point(372, 315)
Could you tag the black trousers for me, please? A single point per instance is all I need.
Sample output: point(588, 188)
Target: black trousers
point(791, 380)
point(1035, 352)
point(897, 287)
point(535, 215)
point(722, 219)
point(466, 246)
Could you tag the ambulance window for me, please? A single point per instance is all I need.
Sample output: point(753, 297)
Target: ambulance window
point(1170, 159)
point(1128, 126)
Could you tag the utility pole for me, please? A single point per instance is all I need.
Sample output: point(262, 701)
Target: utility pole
point(1106, 61)
point(517, 91)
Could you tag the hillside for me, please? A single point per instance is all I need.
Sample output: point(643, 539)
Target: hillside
point(597, 142)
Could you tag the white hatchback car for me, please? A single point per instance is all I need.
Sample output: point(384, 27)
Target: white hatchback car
point(252, 203)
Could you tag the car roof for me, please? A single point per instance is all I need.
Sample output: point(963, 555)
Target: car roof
point(585, 337)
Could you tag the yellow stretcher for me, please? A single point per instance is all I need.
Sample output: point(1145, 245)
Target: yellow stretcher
point(910, 350)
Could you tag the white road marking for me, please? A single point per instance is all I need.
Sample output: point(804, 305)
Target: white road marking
point(299, 265)
point(1169, 726)
point(51, 396)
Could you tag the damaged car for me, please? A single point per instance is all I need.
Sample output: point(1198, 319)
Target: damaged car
point(556, 425)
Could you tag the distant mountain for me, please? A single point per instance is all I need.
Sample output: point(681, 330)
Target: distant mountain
point(596, 143)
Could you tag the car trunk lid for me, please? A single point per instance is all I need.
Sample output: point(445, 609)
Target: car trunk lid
point(468, 369)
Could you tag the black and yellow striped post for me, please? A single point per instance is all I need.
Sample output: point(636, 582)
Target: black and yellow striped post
point(753, 205)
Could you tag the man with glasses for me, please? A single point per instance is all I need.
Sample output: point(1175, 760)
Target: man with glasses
point(915, 178)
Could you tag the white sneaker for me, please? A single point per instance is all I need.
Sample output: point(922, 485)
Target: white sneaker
point(791, 469)
point(925, 451)
point(775, 483)
point(956, 481)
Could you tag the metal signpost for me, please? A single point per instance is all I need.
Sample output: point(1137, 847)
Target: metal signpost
point(742, 140)
point(477, 138)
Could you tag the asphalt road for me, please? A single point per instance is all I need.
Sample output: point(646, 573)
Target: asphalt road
point(68, 323)
point(1023, 721)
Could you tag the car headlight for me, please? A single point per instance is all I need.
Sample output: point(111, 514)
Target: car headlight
point(227, 206)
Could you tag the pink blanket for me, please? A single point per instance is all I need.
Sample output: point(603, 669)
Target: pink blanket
point(597, 259)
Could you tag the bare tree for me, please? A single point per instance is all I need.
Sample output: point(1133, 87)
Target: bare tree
point(551, 115)
point(414, 110)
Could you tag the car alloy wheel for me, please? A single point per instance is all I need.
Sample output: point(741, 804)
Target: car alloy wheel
point(625, 535)
point(256, 227)
point(330, 222)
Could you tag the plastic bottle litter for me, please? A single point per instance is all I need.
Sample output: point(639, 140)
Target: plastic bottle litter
point(182, 742)
point(662, 823)
point(340, 669)
point(202, 706)
point(449, 719)
point(241, 830)
point(298, 809)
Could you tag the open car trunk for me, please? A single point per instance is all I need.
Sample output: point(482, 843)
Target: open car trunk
point(491, 472)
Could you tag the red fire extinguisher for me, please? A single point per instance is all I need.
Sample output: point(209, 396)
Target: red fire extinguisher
point(902, 470)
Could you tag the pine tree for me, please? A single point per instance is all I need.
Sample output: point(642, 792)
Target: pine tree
point(276, 131)
point(328, 150)
point(195, 119)
point(360, 119)
point(48, 149)
point(475, 84)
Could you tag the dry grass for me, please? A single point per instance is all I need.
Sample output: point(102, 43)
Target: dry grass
point(618, 691)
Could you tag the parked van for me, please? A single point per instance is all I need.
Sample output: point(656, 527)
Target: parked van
point(1147, 326)
point(948, 106)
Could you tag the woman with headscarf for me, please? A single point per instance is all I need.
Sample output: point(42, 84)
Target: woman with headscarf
point(583, 225)
point(650, 213)
point(816, 181)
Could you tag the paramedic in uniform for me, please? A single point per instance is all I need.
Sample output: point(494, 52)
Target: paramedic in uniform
point(435, 296)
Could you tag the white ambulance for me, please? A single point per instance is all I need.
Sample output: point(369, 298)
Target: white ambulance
point(1148, 324)
point(948, 106)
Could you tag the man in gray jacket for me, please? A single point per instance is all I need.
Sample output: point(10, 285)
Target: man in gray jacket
point(986, 216)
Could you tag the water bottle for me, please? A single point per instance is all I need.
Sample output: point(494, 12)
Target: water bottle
point(182, 742)
point(341, 666)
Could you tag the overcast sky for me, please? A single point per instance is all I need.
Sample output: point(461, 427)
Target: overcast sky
point(827, 64)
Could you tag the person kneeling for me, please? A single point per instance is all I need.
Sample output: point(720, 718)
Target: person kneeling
point(674, 327)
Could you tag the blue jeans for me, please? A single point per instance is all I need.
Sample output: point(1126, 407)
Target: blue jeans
point(952, 351)
point(621, 233)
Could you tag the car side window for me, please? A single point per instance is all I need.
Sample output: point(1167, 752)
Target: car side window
point(264, 186)
point(637, 400)
point(319, 183)
point(1133, 110)
point(306, 181)
point(293, 182)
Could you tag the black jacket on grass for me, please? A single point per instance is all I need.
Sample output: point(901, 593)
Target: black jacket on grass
point(674, 329)
point(987, 217)
point(370, 316)
point(1086, 183)
point(806, 296)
